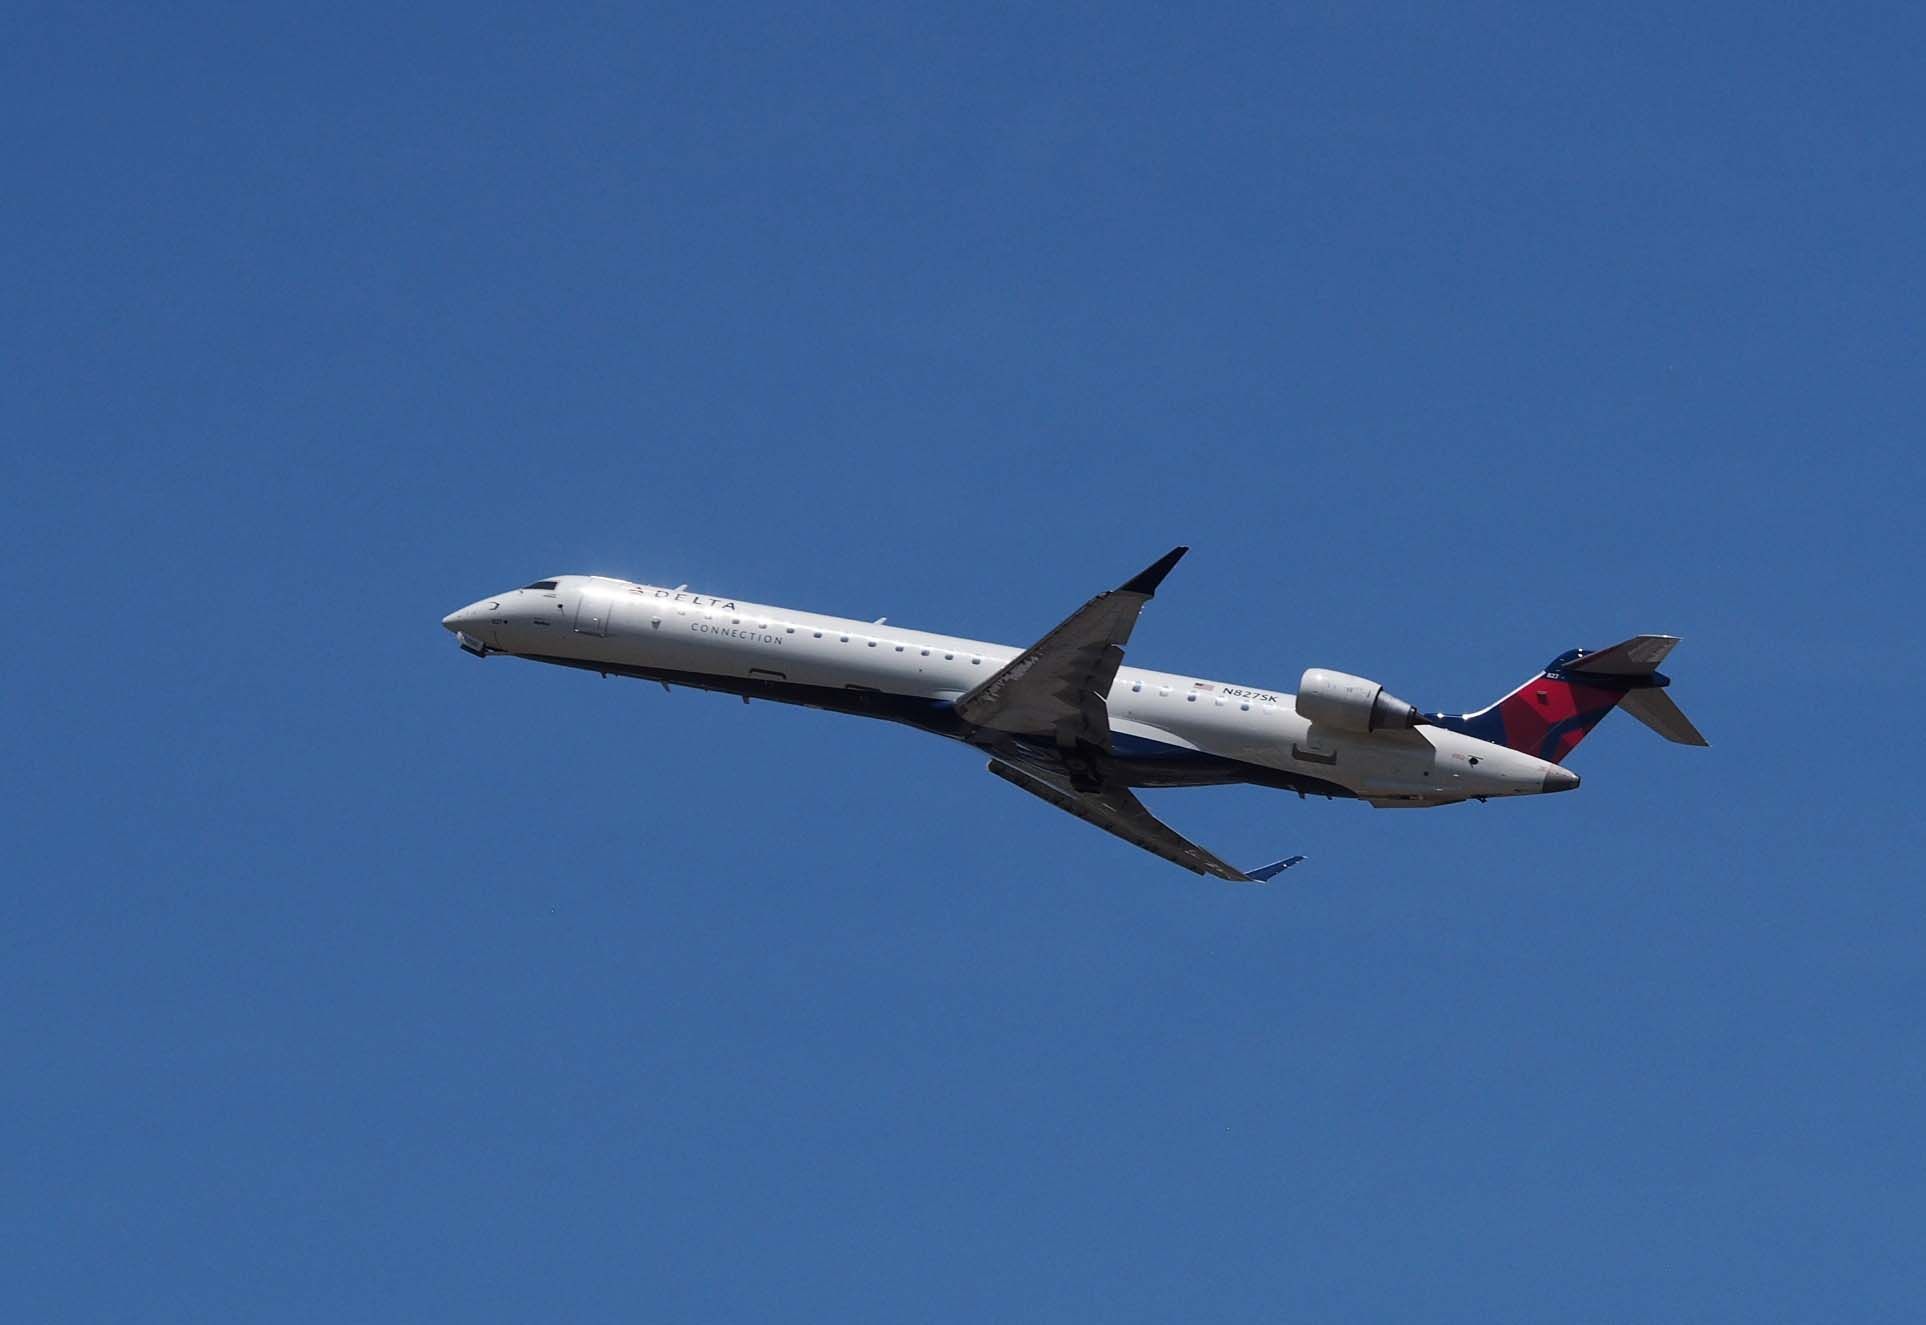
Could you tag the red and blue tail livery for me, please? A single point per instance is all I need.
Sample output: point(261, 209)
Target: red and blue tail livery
point(1551, 713)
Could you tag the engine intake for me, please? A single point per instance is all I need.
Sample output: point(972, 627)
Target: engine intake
point(1351, 703)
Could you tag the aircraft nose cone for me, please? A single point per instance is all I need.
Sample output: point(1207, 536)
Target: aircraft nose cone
point(1559, 779)
point(468, 618)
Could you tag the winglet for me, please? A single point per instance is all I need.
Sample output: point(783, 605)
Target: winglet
point(1265, 873)
point(1146, 580)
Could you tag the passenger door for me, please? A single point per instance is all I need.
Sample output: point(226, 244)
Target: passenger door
point(591, 613)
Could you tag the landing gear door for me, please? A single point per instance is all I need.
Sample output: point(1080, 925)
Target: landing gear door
point(592, 613)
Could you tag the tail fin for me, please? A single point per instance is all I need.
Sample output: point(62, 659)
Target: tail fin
point(1551, 713)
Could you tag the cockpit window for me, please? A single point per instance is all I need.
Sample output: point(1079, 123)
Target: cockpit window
point(540, 584)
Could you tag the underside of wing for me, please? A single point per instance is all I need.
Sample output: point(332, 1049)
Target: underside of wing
point(1056, 687)
point(1117, 811)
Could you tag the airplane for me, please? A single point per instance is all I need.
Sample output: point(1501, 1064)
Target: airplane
point(1067, 722)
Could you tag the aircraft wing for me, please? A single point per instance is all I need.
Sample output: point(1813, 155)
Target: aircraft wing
point(1056, 687)
point(1118, 812)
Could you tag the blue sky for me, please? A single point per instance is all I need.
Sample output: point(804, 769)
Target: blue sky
point(345, 977)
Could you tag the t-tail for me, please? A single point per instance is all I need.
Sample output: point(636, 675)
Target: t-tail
point(1551, 713)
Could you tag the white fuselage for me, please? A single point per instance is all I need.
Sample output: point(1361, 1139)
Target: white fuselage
point(1171, 729)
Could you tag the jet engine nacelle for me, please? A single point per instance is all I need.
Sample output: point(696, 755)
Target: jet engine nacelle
point(1350, 703)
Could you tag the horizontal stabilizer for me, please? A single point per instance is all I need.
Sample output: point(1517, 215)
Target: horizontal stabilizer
point(1656, 710)
point(1637, 656)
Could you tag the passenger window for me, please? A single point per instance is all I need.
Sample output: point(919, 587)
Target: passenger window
point(1245, 707)
point(948, 657)
point(843, 638)
point(976, 662)
point(871, 643)
point(1136, 687)
point(1191, 698)
point(899, 648)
